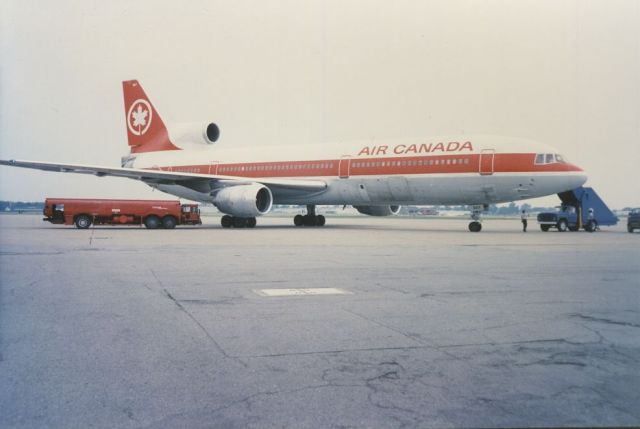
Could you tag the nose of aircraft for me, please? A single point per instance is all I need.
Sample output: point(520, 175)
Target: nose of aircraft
point(577, 178)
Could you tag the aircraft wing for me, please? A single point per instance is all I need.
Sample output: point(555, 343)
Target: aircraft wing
point(198, 182)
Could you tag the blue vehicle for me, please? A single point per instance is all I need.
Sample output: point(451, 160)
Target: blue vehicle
point(581, 208)
point(633, 221)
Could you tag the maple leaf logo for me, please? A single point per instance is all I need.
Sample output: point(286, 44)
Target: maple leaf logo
point(139, 117)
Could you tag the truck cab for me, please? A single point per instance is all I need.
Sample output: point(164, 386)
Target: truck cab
point(581, 208)
point(53, 212)
point(633, 220)
point(191, 214)
point(564, 219)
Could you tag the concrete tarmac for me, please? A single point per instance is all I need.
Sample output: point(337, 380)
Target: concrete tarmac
point(123, 327)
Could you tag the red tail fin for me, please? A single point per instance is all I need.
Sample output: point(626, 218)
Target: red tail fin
point(145, 130)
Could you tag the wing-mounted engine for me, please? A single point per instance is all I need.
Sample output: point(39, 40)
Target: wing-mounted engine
point(378, 210)
point(244, 200)
point(194, 135)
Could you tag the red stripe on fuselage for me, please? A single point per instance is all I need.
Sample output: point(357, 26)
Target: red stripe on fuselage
point(374, 166)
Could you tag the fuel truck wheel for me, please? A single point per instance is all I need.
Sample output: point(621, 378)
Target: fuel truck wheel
point(83, 222)
point(169, 222)
point(545, 228)
point(152, 222)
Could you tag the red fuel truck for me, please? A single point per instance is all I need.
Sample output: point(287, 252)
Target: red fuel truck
point(150, 213)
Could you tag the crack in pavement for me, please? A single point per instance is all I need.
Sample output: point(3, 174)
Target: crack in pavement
point(329, 352)
point(196, 321)
point(603, 320)
point(404, 334)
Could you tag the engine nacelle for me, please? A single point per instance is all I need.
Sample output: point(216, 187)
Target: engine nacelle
point(194, 133)
point(244, 200)
point(378, 210)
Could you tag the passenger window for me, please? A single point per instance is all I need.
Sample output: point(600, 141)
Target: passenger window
point(540, 158)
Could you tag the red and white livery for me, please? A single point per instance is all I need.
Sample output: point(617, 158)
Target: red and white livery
point(374, 177)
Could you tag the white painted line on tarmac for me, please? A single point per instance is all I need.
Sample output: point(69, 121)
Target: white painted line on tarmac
point(302, 291)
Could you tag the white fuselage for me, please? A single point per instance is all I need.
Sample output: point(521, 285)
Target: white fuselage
point(441, 170)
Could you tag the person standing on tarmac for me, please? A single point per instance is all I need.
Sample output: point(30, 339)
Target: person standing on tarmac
point(523, 217)
point(591, 221)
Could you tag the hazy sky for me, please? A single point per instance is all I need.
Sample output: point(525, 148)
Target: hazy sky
point(566, 73)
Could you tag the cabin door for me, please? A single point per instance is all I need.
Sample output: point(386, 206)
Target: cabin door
point(344, 166)
point(487, 158)
point(213, 168)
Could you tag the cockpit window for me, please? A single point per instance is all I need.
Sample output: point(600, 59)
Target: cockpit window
point(549, 158)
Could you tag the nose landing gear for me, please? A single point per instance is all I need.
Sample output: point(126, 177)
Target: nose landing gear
point(476, 215)
point(475, 226)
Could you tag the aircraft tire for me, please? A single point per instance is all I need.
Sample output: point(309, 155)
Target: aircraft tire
point(320, 220)
point(310, 220)
point(298, 220)
point(475, 226)
point(226, 221)
point(251, 222)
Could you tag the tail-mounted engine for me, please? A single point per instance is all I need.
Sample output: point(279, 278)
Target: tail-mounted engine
point(378, 210)
point(244, 200)
point(193, 134)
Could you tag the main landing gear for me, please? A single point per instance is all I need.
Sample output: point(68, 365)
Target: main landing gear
point(238, 222)
point(310, 219)
point(476, 215)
